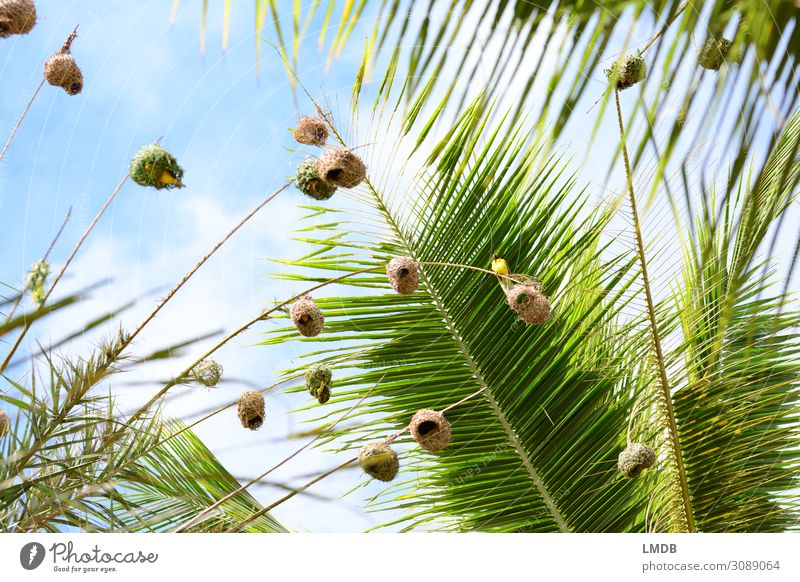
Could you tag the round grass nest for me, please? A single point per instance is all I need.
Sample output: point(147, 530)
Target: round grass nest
point(341, 167)
point(379, 461)
point(155, 167)
point(16, 17)
point(403, 274)
point(318, 382)
point(250, 409)
point(431, 430)
point(627, 71)
point(311, 131)
point(5, 423)
point(529, 303)
point(61, 70)
point(713, 53)
point(309, 183)
point(307, 317)
point(634, 459)
point(208, 373)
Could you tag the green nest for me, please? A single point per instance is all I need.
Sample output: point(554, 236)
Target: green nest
point(627, 71)
point(713, 53)
point(156, 167)
point(318, 382)
point(309, 183)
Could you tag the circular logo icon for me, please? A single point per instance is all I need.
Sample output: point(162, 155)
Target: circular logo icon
point(31, 555)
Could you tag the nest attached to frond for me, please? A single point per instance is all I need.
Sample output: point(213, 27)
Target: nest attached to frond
point(311, 131)
point(208, 373)
point(627, 71)
point(307, 317)
point(309, 182)
point(341, 167)
point(16, 17)
point(155, 167)
point(431, 430)
point(319, 382)
point(528, 301)
point(379, 461)
point(61, 70)
point(250, 409)
point(713, 53)
point(5, 423)
point(403, 274)
point(634, 459)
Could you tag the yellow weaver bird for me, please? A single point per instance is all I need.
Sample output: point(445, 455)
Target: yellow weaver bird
point(168, 177)
point(500, 268)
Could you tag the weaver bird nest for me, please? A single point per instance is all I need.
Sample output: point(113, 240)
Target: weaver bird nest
point(250, 409)
point(155, 167)
point(341, 167)
point(529, 303)
point(318, 382)
point(713, 53)
point(309, 182)
point(627, 71)
point(379, 461)
point(431, 430)
point(311, 131)
point(307, 317)
point(634, 459)
point(208, 373)
point(5, 423)
point(16, 17)
point(403, 274)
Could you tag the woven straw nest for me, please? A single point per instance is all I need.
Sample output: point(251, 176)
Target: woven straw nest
point(16, 17)
point(61, 70)
point(5, 423)
point(627, 71)
point(341, 167)
point(403, 274)
point(431, 430)
point(318, 382)
point(307, 317)
point(379, 461)
point(155, 167)
point(713, 53)
point(528, 301)
point(309, 183)
point(634, 459)
point(311, 131)
point(250, 409)
point(208, 373)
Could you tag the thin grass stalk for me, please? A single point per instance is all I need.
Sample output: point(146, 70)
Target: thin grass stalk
point(19, 121)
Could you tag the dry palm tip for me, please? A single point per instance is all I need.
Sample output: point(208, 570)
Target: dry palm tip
point(61, 70)
point(311, 131)
point(307, 317)
point(36, 279)
point(529, 303)
point(309, 183)
point(250, 409)
point(634, 459)
point(155, 167)
point(341, 167)
point(431, 430)
point(403, 274)
point(318, 382)
point(208, 373)
point(626, 71)
point(16, 17)
point(713, 53)
point(5, 423)
point(379, 461)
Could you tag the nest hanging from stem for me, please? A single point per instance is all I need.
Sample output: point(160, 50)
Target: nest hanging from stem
point(713, 53)
point(341, 167)
point(319, 382)
point(528, 301)
point(16, 17)
point(208, 373)
point(307, 317)
point(36, 279)
point(61, 69)
point(379, 461)
point(250, 409)
point(311, 131)
point(431, 430)
point(309, 182)
point(403, 274)
point(626, 71)
point(634, 459)
point(5, 423)
point(155, 167)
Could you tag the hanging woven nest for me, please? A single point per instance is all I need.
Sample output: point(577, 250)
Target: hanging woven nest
point(208, 373)
point(634, 459)
point(627, 71)
point(250, 409)
point(403, 274)
point(16, 17)
point(309, 183)
point(311, 131)
point(341, 167)
point(5, 423)
point(36, 279)
point(529, 303)
point(713, 53)
point(307, 317)
point(379, 461)
point(155, 167)
point(318, 382)
point(431, 430)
